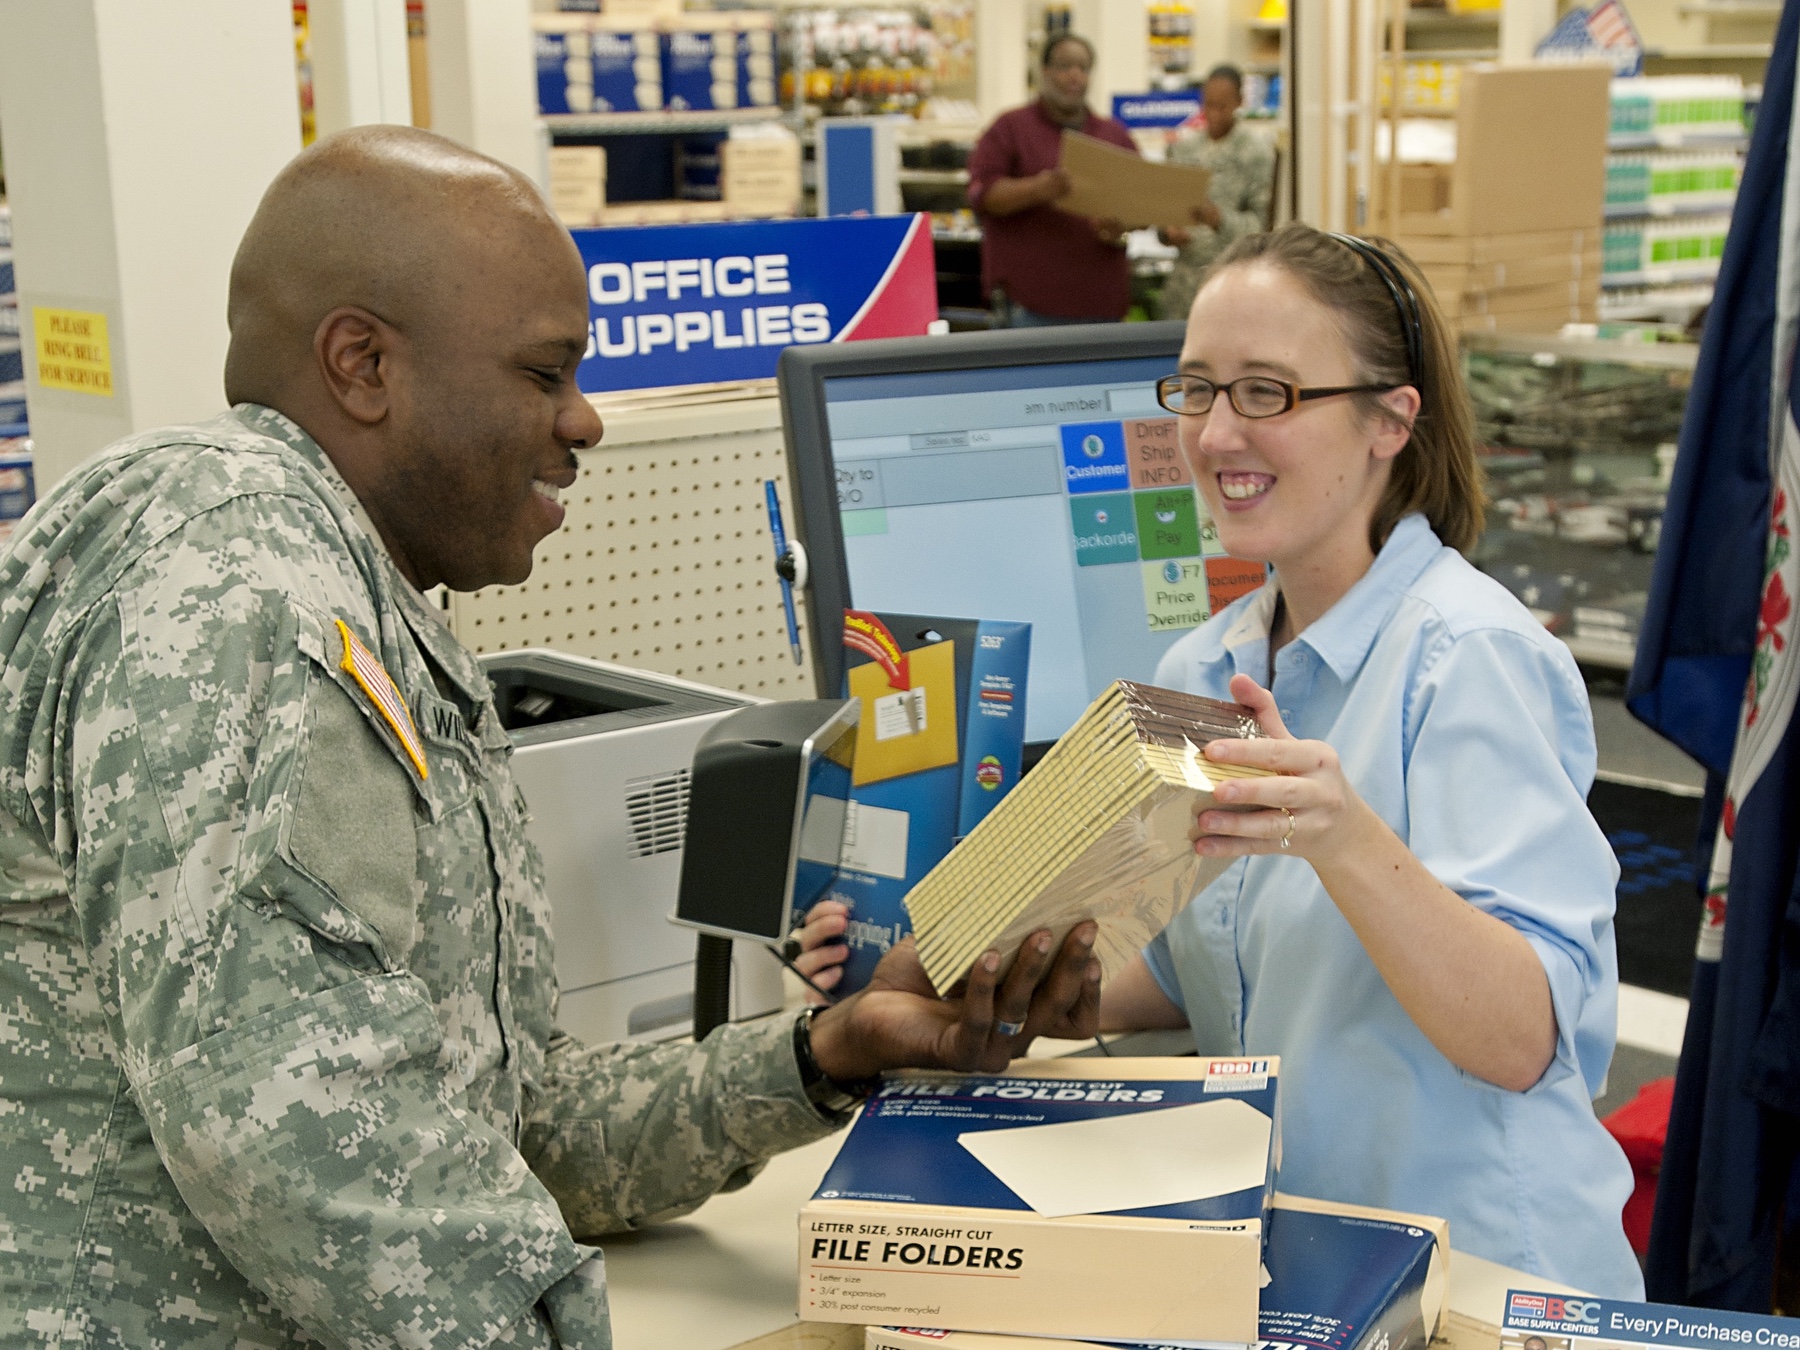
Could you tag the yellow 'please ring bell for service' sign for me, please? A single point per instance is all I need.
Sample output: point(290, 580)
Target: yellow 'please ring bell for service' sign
point(73, 351)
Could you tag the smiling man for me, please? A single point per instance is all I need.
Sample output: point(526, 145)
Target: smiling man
point(278, 1051)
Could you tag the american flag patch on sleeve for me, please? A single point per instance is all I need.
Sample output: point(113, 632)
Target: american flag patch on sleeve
point(372, 677)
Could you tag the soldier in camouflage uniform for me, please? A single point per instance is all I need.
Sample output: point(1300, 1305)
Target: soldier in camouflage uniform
point(1242, 165)
point(278, 1053)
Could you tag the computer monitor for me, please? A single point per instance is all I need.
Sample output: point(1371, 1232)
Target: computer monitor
point(1027, 474)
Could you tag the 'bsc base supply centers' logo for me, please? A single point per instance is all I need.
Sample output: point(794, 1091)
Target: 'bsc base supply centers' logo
point(989, 773)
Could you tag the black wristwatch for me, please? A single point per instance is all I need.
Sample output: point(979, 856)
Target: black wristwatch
point(833, 1100)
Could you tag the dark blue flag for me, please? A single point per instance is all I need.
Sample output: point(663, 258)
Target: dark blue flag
point(1717, 673)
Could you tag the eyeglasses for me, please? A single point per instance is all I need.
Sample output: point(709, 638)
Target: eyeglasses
point(1251, 395)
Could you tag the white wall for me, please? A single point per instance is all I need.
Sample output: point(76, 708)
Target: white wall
point(139, 139)
point(483, 80)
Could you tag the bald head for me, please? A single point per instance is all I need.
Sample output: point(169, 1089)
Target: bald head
point(417, 310)
point(387, 219)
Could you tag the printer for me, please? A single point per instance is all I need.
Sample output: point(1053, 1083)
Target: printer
point(602, 754)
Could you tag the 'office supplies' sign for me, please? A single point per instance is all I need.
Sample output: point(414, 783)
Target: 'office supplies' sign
point(699, 304)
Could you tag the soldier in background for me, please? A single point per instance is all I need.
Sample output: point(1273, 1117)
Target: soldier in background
point(1242, 165)
point(278, 1050)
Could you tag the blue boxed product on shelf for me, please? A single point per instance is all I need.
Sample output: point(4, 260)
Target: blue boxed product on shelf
point(1122, 1198)
point(17, 487)
point(700, 66)
point(1341, 1277)
point(627, 67)
point(588, 64)
point(12, 362)
point(939, 744)
point(720, 60)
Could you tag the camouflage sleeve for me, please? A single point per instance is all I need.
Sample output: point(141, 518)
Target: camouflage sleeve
point(1245, 195)
point(625, 1135)
point(285, 1063)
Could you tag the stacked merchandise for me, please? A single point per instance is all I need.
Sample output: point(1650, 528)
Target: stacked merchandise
point(1509, 234)
point(1676, 153)
point(578, 184)
point(1099, 829)
point(16, 487)
point(1059, 1197)
point(857, 61)
point(12, 360)
point(753, 171)
point(608, 63)
point(1340, 1277)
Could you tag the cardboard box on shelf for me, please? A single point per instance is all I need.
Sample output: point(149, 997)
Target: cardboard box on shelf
point(1532, 281)
point(663, 213)
point(1530, 156)
point(759, 171)
point(578, 183)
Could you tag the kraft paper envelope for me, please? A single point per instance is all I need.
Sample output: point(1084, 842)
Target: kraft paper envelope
point(1136, 1161)
point(905, 731)
point(1114, 184)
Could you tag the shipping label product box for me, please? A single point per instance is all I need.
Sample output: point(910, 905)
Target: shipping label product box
point(1124, 1198)
point(1537, 1320)
point(939, 745)
point(578, 183)
point(1341, 1277)
point(1530, 155)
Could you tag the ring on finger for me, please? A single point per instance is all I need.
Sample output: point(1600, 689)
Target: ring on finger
point(1009, 1028)
point(1288, 838)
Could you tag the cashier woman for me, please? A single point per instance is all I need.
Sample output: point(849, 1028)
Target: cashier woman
point(1419, 920)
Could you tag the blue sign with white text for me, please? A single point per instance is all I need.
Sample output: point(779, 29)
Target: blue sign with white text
point(700, 304)
point(1155, 110)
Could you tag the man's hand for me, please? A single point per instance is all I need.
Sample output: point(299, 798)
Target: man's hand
point(898, 1021)
point(1208, 214)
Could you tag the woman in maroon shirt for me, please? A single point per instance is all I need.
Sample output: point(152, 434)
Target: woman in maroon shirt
point(1051, 266)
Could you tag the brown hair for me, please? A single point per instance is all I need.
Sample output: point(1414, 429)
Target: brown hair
point(1437, 473)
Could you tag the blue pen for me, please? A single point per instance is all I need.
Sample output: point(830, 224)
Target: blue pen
point(779, 536)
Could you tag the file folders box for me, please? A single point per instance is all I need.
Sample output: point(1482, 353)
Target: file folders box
point(1341, 1277)
point(1125, 1198)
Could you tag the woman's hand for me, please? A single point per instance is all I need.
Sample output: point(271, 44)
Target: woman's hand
point(821, 956)
point(1311, 805)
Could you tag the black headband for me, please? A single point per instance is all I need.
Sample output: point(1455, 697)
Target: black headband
point(1406, 303)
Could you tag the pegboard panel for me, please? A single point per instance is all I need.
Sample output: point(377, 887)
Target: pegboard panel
point(663, 561)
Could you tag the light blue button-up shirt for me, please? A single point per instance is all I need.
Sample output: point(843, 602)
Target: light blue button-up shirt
point(1466, 726)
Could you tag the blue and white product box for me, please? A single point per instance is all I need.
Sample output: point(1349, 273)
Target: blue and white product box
point(17, 486)
point(627, 66)
point(1124, 1198)
point(590, 64)
point(700, 62)
point(904, 825)
point(1341, 1277)
point(756, 58)
point(1535, 1318)
point(565, 65)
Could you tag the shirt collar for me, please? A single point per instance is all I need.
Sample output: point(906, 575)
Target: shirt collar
point(1087, 117)
point(1343, 635)
point(283, 428)
point(423, 617)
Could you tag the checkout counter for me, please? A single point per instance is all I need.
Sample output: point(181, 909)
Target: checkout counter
point(725, 1277)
